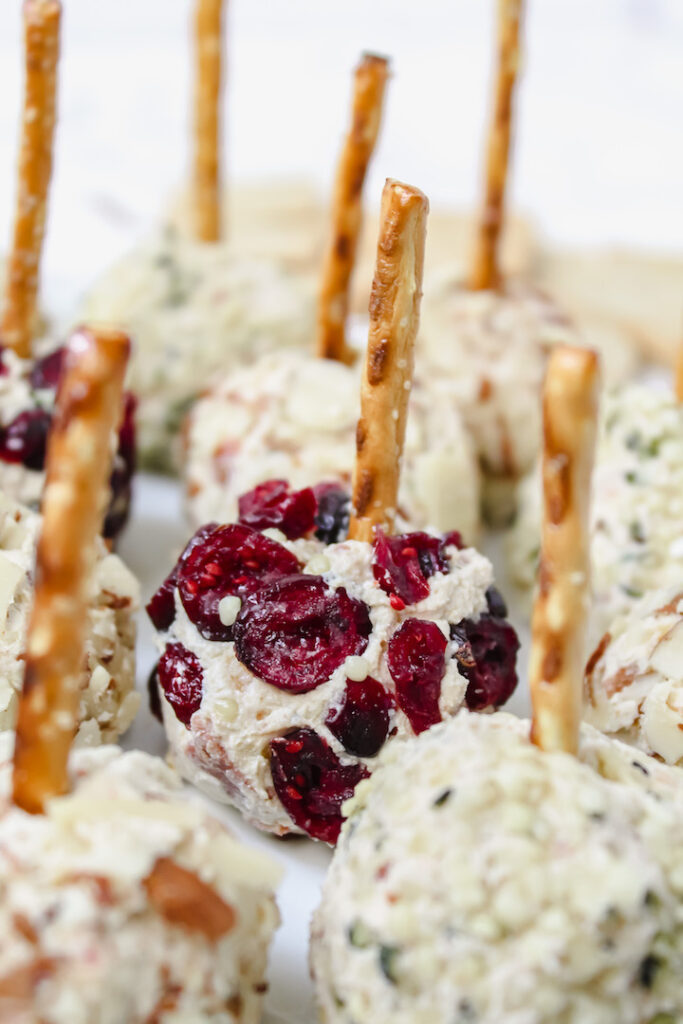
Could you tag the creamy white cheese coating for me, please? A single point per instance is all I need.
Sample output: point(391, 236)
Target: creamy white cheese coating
point(194, 309)
point(108, 701)
point(294, 417)
point(479, 880)
point(634, 682)
point(224, 752)
point(637, 505)
point(489, 351)
point(125, 903)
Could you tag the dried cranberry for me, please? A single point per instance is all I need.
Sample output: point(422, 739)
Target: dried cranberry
point(121, 480)
point(496, 603)
point(416, 659)
point(295, 632)
point(46, 372)
point(153, 693)
point(161, 607)
point(402, 564)
point(233, 559)
point(361, 721)
point(181, 679)
point(332, 517)
point(486, 655)
point(274, 504)
point(24, 440)
point(312, 783)
point(4, 368)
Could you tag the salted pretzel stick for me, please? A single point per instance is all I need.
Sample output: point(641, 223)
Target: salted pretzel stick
point(570, 407)
point(485, 272)
point(206, 184)
point(41, 43)
point(347, 210)
point(388, 371)
point(78, 466)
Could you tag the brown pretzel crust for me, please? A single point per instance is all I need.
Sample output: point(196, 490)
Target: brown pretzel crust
point(78, 467)
point(370, 81)
point(387, 376)
point(570, 406)
point(485, 272)
point(207, 128)
point(41, 42)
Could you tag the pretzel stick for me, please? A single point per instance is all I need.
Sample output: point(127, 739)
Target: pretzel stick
point(570, 405)
point(485, 272)
point(333, 300)
point(206, 193)
point(41, 42)
point(388, 372)
point(78, 466)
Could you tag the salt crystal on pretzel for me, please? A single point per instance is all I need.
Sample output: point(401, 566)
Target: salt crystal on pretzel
point(333, 300)
point(206, 183)
point(558, 650)
point(41, 34)
point(89, 407)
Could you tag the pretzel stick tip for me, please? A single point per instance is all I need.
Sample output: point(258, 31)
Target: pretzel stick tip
point(206, 181)
point(570, 408)
point(485, 271)
point(41, 44)
point(387, 376)
point(370, 81)
point(88, 410)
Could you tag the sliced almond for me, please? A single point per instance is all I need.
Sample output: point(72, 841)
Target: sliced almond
point(184, 899)
point(667, 657)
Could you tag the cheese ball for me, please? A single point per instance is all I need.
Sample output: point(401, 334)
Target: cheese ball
point(194, 309)
point(125, 903)
point(634, 679)
point(294, 416)
point(479, 879)
point(291, 656)
point(108, 701)
point(28, 389)
point(637, 506)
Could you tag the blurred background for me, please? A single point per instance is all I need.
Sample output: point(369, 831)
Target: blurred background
point(599, 147)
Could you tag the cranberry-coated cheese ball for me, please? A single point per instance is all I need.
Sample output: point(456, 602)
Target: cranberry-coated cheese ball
point(634, 680)
point(480, 880)
point(294, 416)
point(292, 656)
point(194, 309)
point(125, 903)
point(27, 400)
point(108, 701)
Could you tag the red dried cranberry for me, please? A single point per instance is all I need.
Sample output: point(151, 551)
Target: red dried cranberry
point(453, 539)
point(181, 679)
point(161, 607)
point(24, 440)
point(46, 372)
point(402, 564)
point(361, 721)
point(312, 783)
point(233, 559)
point(496, 603)
point(416, 659)
point(295, 632)
point(486, 656)
point(121, 480)
point(274, 504)
point(332, 517)
point(153, 693)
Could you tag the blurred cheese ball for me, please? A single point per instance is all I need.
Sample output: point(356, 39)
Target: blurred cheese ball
point(293, 416)
point(108, 701)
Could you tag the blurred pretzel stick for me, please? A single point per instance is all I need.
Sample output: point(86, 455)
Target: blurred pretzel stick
point(347, 209)
point(206, 186)
point(88, 410)
point(41, 42)
point(387, 376)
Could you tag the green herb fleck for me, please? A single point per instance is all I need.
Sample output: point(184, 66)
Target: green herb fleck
point(388, 961)
point(636, 532)
point(631, 591)
point(647, 972)
point(631, 477)
point(360, 935)
point(443, 797)
point(651, 899)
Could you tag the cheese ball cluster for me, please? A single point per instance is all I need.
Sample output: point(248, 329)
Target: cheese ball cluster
point(293, 416)
point(194, 309)
point(634, 680)
point(108, 701)
point(479, 880)
point(637, 506)
point(27, 400)
point(125, 903)
point(292, 656)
